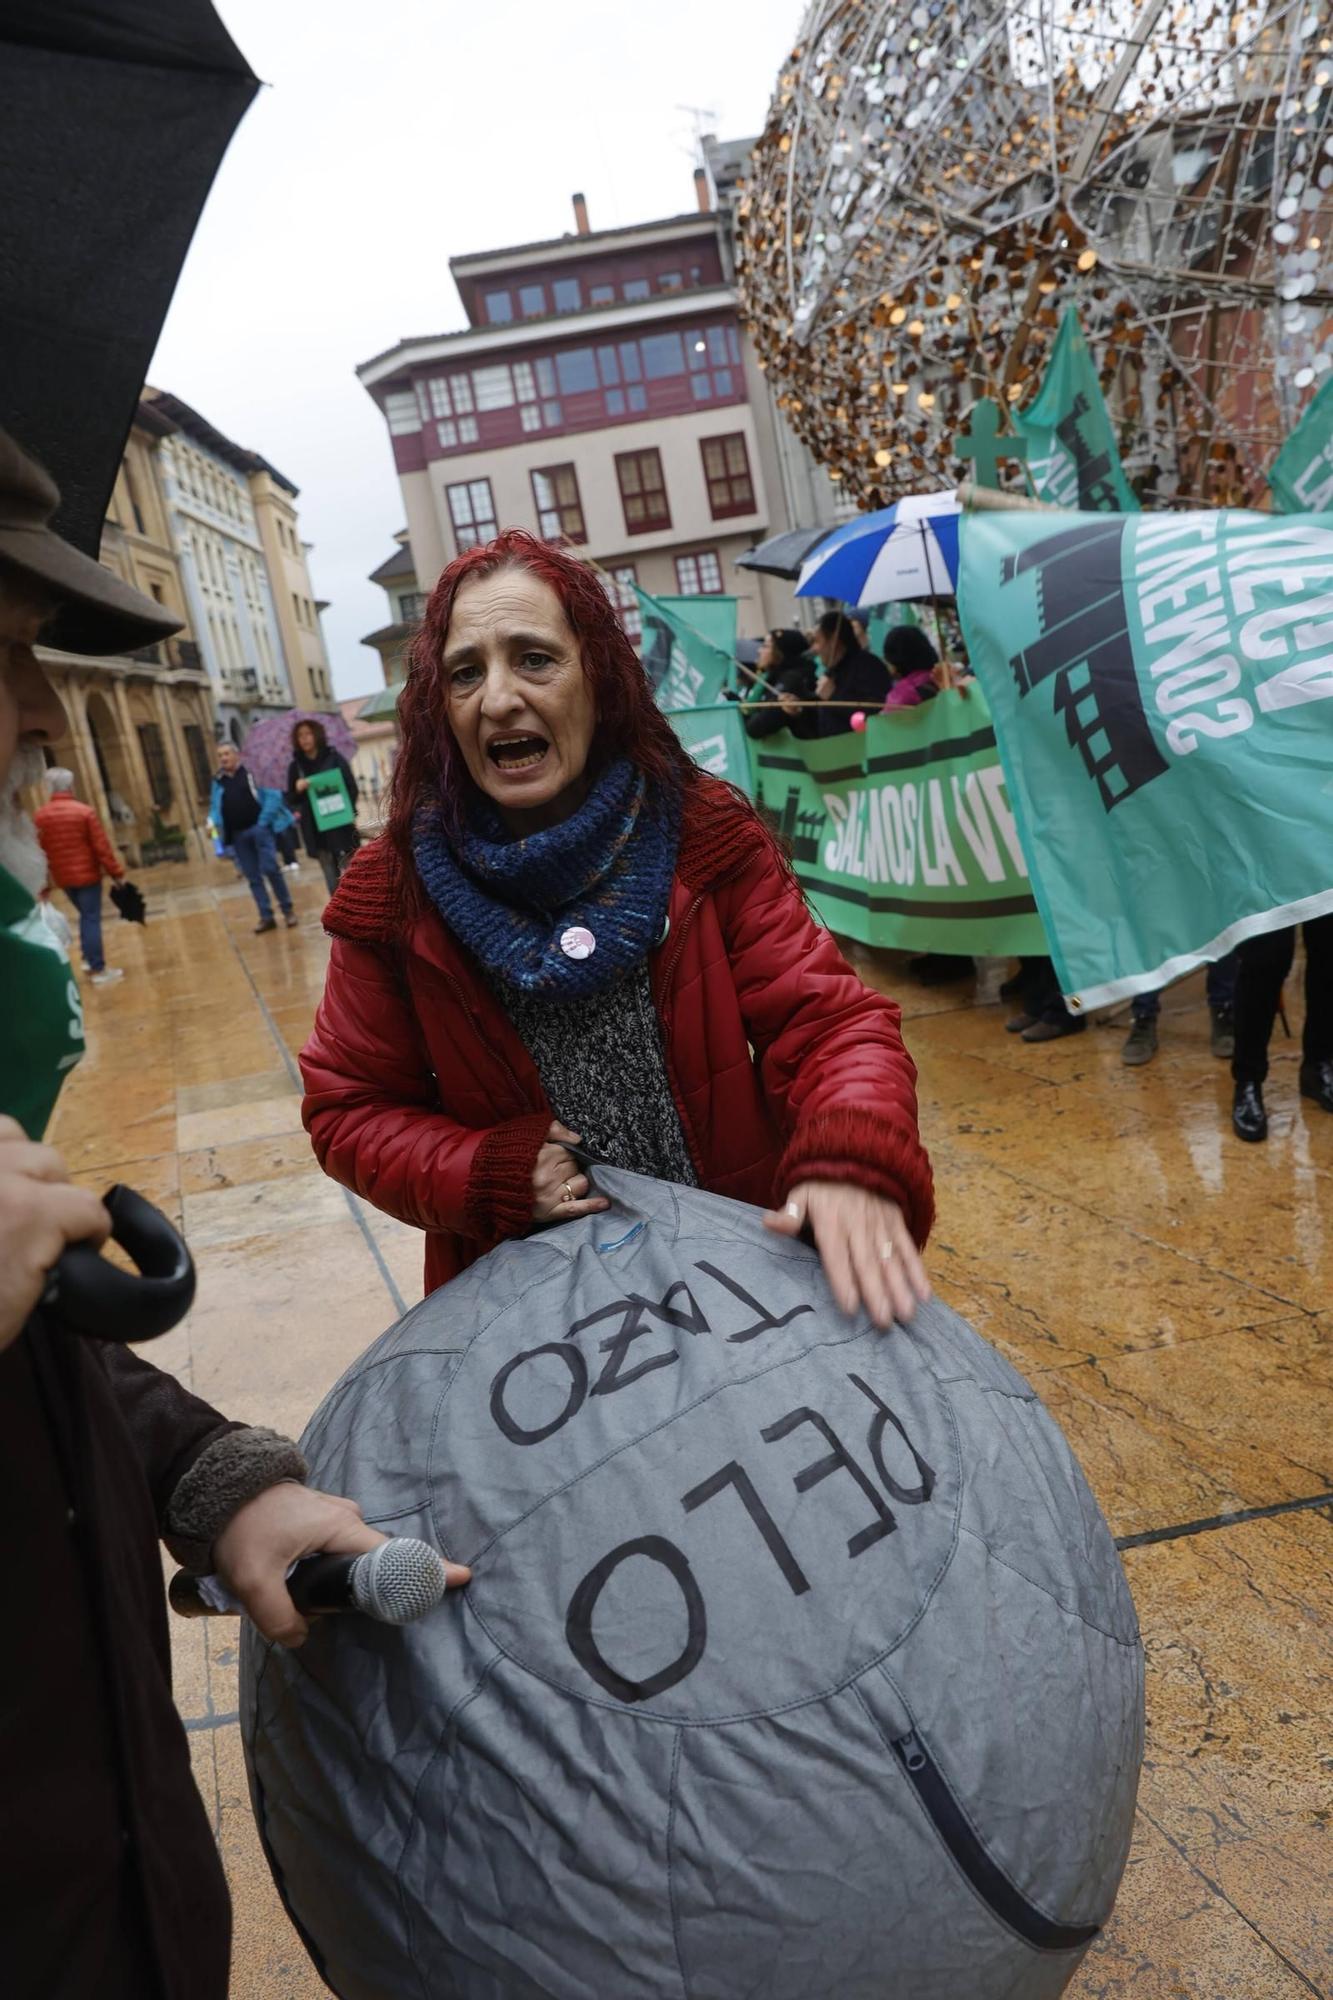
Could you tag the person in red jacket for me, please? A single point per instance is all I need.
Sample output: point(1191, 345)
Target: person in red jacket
point(571, 935)
point(78, 855)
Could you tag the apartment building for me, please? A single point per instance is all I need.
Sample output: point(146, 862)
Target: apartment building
point(244, 570)
point(602, 395)
point(298, 609)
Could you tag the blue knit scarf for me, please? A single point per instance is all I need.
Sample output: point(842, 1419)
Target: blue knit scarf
point(607, 868)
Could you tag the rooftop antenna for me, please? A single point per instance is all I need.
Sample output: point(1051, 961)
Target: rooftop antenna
point(703, 120)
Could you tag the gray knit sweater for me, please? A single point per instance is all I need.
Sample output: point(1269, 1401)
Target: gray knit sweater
point(601, 1064)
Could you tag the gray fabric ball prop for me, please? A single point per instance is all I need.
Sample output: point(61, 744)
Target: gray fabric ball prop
point(797, 1661)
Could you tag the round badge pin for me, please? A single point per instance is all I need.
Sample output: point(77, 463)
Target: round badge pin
point(578, 942)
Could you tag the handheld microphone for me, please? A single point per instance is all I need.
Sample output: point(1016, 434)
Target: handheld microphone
point(400, 1580)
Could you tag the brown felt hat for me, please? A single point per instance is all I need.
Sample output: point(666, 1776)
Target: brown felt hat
point(94, 611)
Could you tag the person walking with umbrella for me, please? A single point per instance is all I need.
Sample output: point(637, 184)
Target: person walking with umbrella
point(311, 753)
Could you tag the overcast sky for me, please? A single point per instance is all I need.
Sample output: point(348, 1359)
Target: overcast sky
point(391, 135)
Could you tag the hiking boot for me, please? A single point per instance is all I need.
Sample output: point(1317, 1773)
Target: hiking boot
point(1140, 1044)
point(1222, 1033)
point(265, 924)
point(1055, 1031)
point(1020, 1024)
point(1249, 1120)
point(291, 919)
point(1317, 1082)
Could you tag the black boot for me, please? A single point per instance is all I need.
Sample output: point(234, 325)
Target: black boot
point(1317, 1082)
point(1249, 1120)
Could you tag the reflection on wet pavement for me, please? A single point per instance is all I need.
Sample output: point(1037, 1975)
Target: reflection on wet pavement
point(1168, 1291)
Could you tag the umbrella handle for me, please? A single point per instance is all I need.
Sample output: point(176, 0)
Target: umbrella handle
point(88, 1295)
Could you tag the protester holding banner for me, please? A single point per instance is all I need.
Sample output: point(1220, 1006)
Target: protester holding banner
point(1265, 962)
point(912, 661)
point(851, 677)
point(784, 667)
point(571, 936)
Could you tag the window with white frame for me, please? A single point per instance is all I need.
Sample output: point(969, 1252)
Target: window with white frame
point(555, 491)
point(402, 412)
point(472, 511)
point(699, 575)
point(618, 583)
point(451, 401)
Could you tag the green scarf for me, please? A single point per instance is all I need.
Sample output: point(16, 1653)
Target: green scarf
point(41, 1035)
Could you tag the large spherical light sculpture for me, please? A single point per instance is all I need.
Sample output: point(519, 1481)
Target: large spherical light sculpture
point(937, 180)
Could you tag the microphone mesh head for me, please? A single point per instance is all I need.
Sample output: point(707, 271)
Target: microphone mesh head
point(401, 1580)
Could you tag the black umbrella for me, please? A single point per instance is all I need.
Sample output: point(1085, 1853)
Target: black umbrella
point(783, 555)
point(129, 901)
point(116, 116)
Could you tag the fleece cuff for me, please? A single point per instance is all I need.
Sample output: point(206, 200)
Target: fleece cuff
point(227, 1473)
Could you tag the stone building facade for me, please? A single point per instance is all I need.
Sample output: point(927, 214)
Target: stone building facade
point(140, 736)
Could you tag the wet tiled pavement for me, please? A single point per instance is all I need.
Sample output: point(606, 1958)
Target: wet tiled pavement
point(1168, 1291)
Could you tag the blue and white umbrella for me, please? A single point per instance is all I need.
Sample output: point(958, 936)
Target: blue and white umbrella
point(904, 551)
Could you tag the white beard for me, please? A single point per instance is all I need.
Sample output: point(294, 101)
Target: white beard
point(21, 853)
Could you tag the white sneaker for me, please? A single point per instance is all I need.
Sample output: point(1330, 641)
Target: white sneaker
point(108, 976)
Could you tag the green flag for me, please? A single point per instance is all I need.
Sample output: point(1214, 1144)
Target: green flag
point(686, 669)
point(1302, 474)
point(713, 617)
point(1162, 687)
point(1072, 454)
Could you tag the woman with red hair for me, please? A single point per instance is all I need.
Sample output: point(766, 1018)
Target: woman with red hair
point(569, 935)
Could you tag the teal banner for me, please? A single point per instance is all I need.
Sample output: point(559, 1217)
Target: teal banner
point(1162, 687)
point(1072, 456)
point(901, 835)
point(1301, 477)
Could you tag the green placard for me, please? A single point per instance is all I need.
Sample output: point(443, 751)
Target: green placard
point(329, 800)
point(1162, 685)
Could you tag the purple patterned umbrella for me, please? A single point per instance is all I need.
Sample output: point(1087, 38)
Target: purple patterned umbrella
point(267, 749)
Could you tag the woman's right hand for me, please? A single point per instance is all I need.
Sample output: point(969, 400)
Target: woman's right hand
point(559, 1186)
point(303, 784)
point(789, 703)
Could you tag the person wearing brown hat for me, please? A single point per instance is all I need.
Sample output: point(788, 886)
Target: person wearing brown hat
point(109, 1877)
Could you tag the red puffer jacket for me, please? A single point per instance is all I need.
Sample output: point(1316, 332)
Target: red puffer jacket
point(422, 1097)
point(78, 852)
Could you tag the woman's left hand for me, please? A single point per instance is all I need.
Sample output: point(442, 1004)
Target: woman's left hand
point(303, 784)
point(824, 687)
point(865, 1246)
